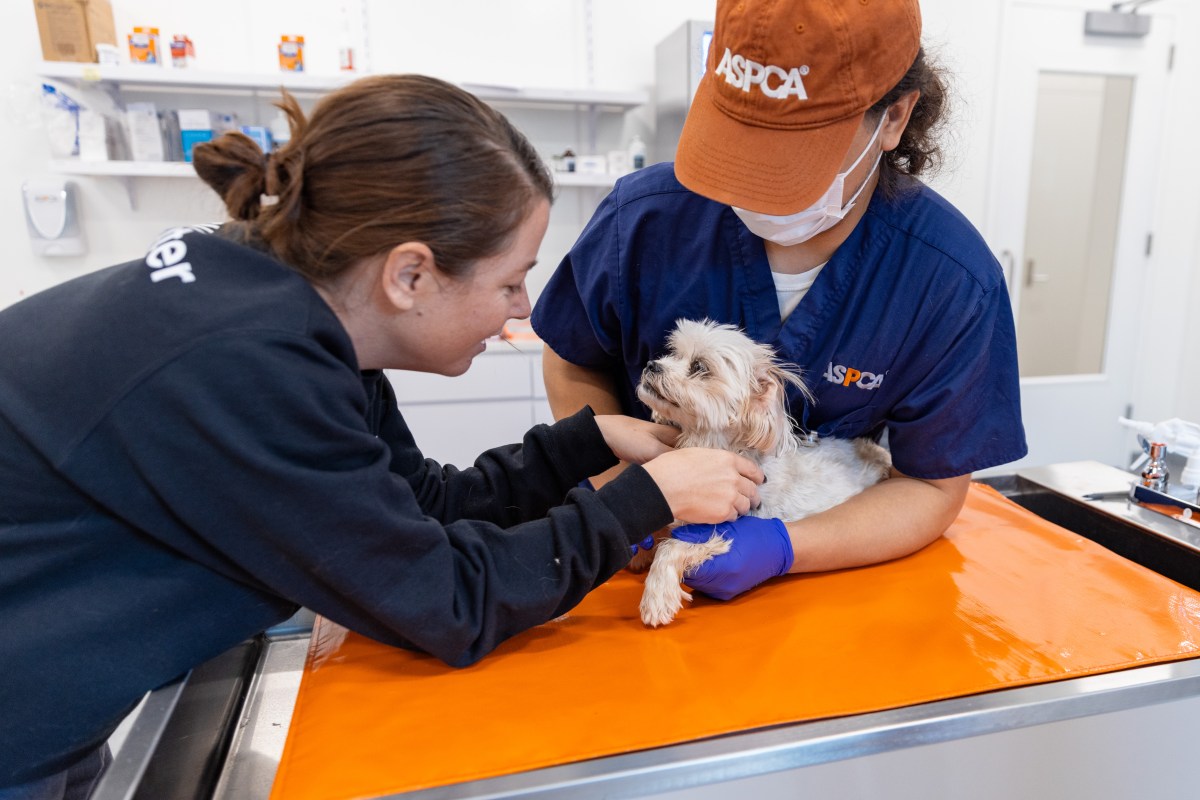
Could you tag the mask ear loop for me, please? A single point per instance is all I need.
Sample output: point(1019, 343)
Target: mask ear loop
point(867, 149)
point(850, 203)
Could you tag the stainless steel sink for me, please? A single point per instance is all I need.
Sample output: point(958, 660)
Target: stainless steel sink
point(1106, 516)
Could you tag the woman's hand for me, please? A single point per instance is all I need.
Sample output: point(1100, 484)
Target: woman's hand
point(635, 440)
point(703, 485)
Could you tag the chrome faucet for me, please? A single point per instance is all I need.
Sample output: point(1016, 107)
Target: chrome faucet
point(1155, 475)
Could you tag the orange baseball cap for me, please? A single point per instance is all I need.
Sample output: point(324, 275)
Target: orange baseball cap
point(786, 86)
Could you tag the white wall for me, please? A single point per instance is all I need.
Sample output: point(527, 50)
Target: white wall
point(544, 43)
point(538, 43)
point(1168, 383)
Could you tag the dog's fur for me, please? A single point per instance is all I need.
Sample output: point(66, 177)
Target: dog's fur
point(726, 391)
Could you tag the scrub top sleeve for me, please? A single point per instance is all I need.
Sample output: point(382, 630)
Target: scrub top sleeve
point(578, 312)
point(965, 413)
point(259, 464)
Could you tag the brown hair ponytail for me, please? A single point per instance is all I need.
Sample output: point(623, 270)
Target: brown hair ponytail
point(236, 168)
point(384, 160)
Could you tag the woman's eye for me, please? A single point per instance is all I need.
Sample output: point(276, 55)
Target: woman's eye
point(697, 368)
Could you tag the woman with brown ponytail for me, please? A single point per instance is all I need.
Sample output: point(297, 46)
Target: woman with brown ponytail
point(195, 443)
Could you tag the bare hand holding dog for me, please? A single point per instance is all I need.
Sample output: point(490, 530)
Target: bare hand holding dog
point(636, 440)
point(706, 485)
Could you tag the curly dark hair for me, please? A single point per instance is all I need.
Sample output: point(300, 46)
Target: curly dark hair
point(919, 151)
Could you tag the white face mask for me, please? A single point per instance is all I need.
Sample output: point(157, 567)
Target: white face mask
point(817, 218)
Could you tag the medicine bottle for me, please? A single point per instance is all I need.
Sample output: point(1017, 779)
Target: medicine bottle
point(637, 152)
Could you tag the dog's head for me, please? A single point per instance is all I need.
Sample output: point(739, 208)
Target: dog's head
point(720, 388)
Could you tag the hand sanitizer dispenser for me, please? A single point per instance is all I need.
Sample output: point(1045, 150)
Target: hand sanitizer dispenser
point(52, 216)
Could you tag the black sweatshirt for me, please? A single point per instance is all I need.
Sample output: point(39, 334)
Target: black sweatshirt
point(188, 452)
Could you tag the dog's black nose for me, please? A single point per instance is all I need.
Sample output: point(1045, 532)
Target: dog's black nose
point(653, 368)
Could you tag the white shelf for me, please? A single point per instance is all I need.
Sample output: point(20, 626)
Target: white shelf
point(580, 179)
point(577, 97)
point(150, 76)
point(153, 77)
point(112, 78)
point(181, 169)
point(125, 169)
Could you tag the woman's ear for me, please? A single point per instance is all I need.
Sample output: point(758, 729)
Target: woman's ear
point(897, 115)
point(407, 273)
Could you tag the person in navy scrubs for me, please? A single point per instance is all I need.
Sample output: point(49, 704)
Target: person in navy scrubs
point(197, 442)
point(794, 211)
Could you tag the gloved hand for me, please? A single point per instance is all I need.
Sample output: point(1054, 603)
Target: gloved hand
point(644, 544)
point(759, 549)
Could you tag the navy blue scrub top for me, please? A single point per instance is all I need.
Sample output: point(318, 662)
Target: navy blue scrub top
point(908, 327)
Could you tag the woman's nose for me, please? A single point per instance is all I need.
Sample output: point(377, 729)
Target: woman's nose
point(521, 306)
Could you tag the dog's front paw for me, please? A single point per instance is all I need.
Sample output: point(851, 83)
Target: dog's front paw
point(660, 604)
point(663, 594)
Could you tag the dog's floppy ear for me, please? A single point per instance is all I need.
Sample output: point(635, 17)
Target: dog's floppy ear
point(793, 376)
point(763, 420)
point(766, 420)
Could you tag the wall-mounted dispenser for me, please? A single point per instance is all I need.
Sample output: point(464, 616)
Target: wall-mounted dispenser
point(51, 212)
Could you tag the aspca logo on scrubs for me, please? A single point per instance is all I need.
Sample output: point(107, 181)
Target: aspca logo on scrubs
point(167, 254)
point(742, 73)
point(849, 376)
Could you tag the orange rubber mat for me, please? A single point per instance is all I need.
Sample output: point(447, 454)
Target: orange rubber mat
point(1005, 599)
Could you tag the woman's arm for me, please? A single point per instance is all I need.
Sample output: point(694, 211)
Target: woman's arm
point(889, 520)
point(570, 387)
point(505, 485)
point(893, 518)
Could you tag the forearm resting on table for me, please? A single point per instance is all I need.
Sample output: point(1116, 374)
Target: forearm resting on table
point(890, 519)
point(570, 387)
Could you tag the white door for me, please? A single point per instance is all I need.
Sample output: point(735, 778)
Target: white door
point(1073, 172)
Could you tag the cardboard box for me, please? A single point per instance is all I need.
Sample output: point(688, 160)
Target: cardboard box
point(71, 29)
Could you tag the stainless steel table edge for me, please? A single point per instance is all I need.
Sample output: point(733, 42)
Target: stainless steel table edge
point(692, 764)
point(257, 745)
point(120, 781)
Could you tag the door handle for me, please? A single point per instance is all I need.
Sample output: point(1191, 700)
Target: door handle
point(1031, 276)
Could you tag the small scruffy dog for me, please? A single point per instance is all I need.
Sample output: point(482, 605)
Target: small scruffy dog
point(726, 391)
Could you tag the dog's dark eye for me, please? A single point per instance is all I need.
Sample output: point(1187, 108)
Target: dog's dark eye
point(698, 368)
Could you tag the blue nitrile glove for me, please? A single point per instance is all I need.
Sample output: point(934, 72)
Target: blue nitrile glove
point(644, 544)
point(760, 549)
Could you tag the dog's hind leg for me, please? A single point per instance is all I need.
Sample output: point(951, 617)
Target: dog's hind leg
point(664, 595)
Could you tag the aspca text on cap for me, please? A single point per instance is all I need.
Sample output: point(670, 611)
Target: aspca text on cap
point(742, 73)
